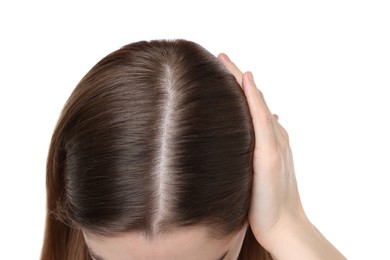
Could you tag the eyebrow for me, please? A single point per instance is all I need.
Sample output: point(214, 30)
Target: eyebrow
point(97, 257)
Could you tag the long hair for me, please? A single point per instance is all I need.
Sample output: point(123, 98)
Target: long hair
point(156, 135)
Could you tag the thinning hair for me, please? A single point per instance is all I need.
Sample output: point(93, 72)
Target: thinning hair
point(156, 135)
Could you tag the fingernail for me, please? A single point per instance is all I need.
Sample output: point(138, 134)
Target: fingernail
point(225, 57)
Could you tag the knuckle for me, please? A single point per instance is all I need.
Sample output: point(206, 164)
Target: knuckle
point(267, 119)
point(286, 135)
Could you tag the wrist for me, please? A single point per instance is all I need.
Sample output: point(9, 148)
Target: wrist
point(286, 229)
point(298, 238)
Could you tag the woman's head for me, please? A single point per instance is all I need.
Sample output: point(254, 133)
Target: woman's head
point(156, 139)
point(189, 243)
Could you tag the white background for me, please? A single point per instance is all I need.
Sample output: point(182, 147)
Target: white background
point(323, 66)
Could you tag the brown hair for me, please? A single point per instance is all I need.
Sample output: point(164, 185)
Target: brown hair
point(155, 136)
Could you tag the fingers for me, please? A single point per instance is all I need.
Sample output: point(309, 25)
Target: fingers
point(262, 119)
point(231, 67)
point(284, 133)
point(267, 128)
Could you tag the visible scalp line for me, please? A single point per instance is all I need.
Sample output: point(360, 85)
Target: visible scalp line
point(161, 170)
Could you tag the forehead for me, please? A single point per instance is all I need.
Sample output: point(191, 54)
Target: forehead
point(182, 243)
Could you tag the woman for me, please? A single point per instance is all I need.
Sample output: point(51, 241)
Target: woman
point(164, 151)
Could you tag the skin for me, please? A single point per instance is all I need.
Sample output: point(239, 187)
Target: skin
point(276, 215)
point(190, 243)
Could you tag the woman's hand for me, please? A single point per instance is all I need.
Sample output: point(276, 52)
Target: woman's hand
point(275, 197)
point(276, 215)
